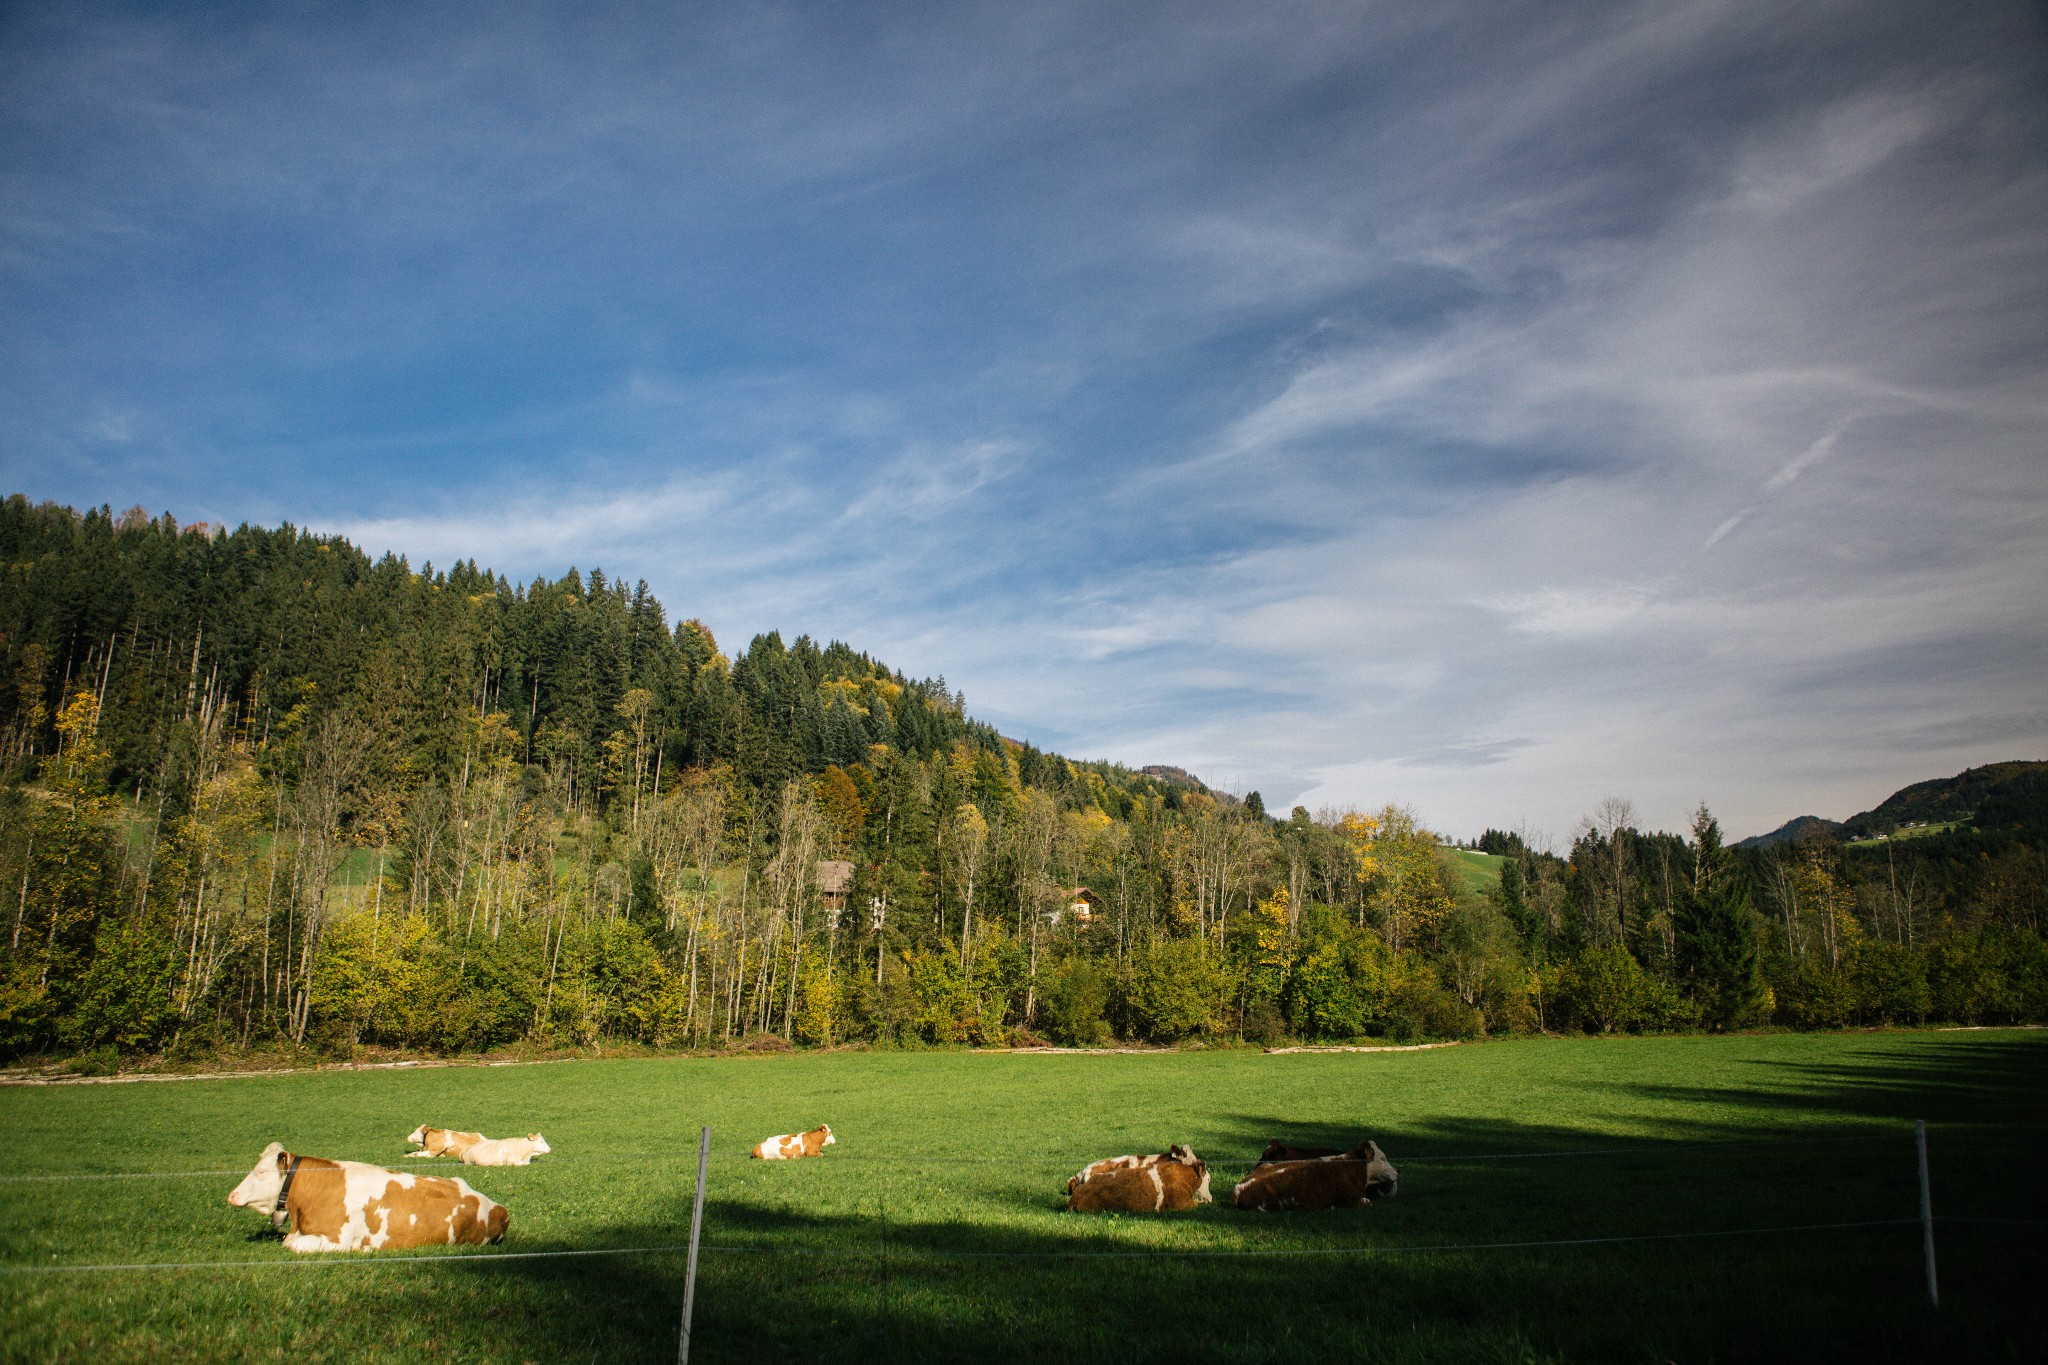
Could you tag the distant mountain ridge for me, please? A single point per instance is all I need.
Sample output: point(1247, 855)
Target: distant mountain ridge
point(1792, 831)
point(1179, 777)
point(2005, 792)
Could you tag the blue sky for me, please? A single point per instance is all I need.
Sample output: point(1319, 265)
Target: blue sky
point(1494, 408)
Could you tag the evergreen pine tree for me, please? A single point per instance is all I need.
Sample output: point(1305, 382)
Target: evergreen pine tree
point(1717, 941)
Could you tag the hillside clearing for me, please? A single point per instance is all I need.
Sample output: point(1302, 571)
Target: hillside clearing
point(1481, 870)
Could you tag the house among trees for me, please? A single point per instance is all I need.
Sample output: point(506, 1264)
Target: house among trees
point(835, 879)
point(1077, 901)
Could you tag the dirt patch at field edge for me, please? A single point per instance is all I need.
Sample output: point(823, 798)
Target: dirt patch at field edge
point(52, 1076)
point(1363, 1047)
point(1051, 1050)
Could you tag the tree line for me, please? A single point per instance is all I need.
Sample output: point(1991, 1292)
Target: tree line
point(260, 789)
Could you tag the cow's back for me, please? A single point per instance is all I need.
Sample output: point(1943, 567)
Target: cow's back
point(430, 1211)
point(448, 1141)
point(1112, 1163)
point(499, 1152)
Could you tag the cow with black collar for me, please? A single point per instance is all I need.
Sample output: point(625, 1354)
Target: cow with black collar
point(323, 1205)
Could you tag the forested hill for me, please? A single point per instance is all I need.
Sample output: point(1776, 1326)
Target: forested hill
point(1948, 799)
point(1792, 831)
point(1995, 797)
point(259, 790)
point(274, 632)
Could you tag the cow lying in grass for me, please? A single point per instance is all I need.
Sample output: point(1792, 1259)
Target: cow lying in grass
point(441, 1141)
point(1157, 1184)
point(505, 1151)
point(1351, 1180)
point(790, 1146)
point(323, 1205)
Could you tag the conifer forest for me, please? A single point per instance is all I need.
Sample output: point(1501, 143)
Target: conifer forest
point(261, 791)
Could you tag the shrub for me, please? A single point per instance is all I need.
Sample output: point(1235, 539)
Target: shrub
point(1263, 1022)
point(1420, 1007)
point(1507, 997)
point(100, 1061)
point(1995, 976)
point(942, 1002)
point(1597, 990)
point(1890, 983)
point(888, 1011)
point(1812, 994)
point(124, 999)
point(824, 1002)
point(1173, 990)
point(1605, 989)
point(1342, 984)
point(1075, 1004)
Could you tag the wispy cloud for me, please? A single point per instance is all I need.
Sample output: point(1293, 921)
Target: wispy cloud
point(1493, 407)
point(1806, 458)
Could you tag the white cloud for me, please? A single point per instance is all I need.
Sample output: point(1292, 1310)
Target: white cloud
point(1573, 613)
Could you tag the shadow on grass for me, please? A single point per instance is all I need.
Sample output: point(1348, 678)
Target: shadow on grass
point(1962, 1084)
point(838, 1290)
point(1045, 1286)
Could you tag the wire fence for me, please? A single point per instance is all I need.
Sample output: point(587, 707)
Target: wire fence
point(898, 1251)
point(902, 1251)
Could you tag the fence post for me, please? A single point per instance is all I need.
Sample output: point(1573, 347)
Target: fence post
point(696, 1227)
point(882, 1208)
point(1926, 1212)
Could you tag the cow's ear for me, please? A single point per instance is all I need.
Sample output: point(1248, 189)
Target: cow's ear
point(284, 1159)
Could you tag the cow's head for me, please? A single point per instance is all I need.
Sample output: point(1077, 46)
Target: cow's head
point(260, 1187)
point(826, 1129)
point(1182, 1153)
point(540, 1144)
point(1379, 1173)
point(418, 1136)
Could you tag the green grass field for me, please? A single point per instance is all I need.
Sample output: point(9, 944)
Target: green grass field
point(1917, 832)
point(1481, 870)
point(934, 1229)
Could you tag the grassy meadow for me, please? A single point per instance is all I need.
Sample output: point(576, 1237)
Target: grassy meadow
point(1481, 871)
point(934, 1228)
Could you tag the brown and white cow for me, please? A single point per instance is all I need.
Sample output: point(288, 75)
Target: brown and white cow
point(1178, 1152)
point(1349, 1181)
point(324, 1205)
point(506, 1151)
point(440, 1141)
point(1277, 1150)
point(1178, 1180)
point(790, 1146)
